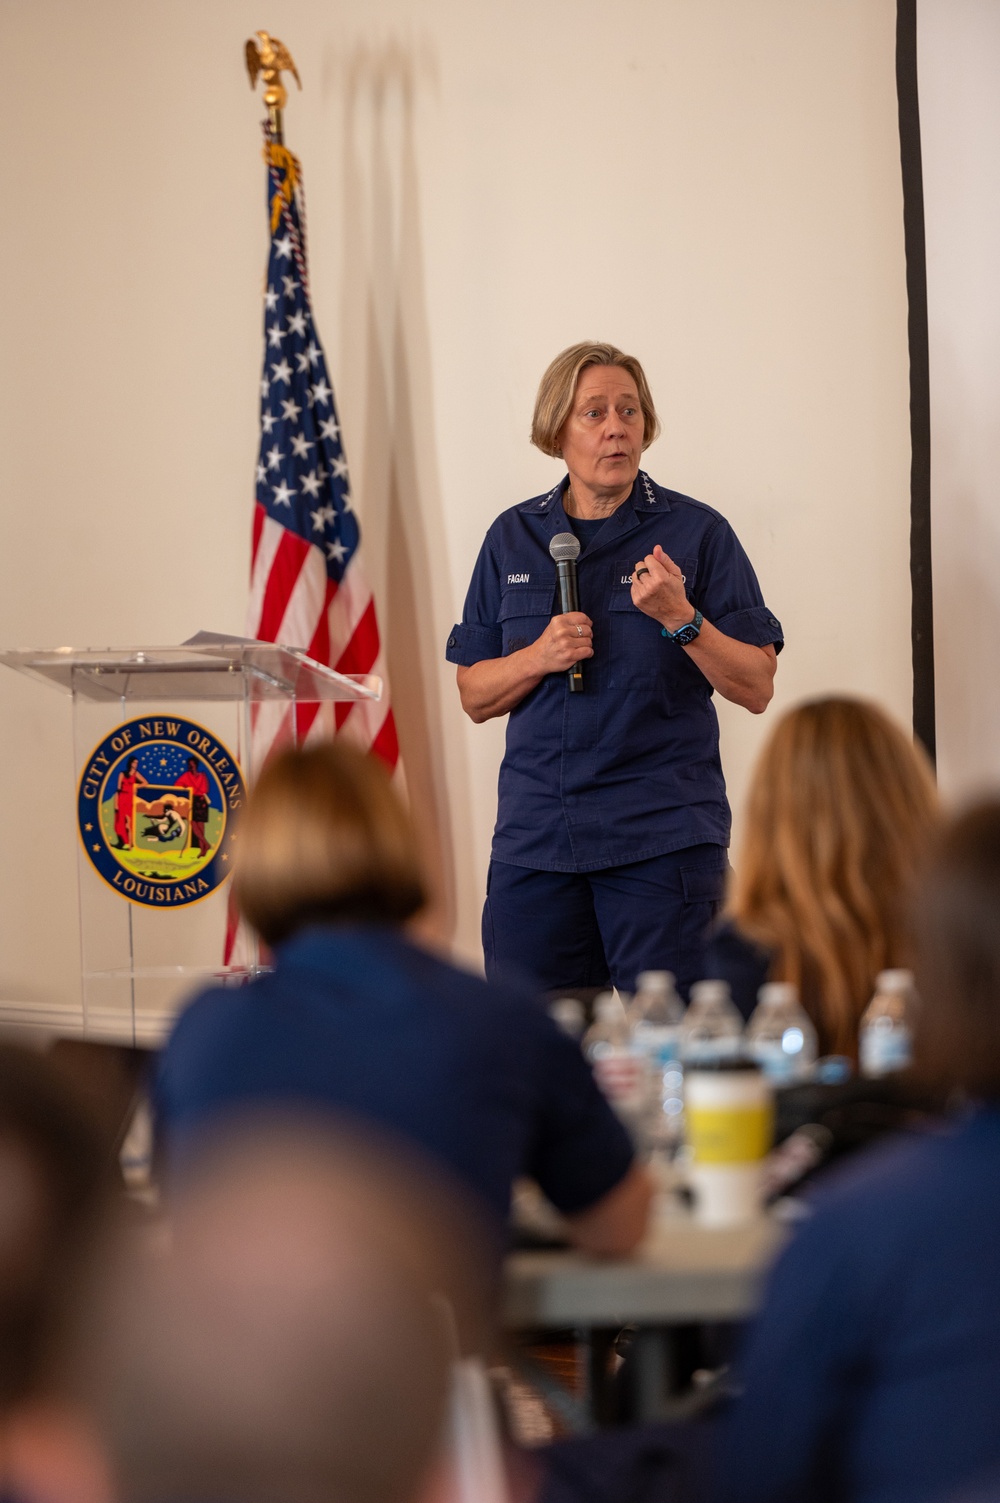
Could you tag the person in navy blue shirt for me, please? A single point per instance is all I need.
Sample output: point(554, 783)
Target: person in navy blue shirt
point(609, 854)
point(357, 1019)
point(873, 1372)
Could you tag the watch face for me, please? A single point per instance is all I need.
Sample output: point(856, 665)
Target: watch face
point(686, 634)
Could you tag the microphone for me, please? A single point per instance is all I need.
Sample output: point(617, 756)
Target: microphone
point(564, 550)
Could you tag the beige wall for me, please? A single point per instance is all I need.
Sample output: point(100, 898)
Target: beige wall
point(713, 184)
point(959, 57)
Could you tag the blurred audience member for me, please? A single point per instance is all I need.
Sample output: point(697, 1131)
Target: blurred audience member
point(53, 1173)
point(55, 1181)
point(295, 1342)
point(841, 808)
point(357, 1018)
point(873, 1372)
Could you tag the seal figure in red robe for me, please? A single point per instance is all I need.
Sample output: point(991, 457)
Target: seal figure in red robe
point(197, 781)
point(125, 802)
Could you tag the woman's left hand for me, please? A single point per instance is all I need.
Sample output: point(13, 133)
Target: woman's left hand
point(738, 670)
point(658, 590)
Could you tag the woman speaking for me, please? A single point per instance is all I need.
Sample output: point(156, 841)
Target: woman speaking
point(609, 853)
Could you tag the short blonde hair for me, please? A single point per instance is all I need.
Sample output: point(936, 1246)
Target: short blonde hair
point(840, 816)
point(325, 839)
point(558, 388)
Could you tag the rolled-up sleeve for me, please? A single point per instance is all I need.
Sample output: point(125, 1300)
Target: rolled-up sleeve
point(469, 643)
point(728, 593)
point(479, 634)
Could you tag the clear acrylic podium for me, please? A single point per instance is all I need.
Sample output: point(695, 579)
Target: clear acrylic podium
point(140, 963)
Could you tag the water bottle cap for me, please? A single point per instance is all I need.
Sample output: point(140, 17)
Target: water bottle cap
point(710, 991)
point(894, 981)
point(568, 1013)
point(773, 992)
point(655, 981)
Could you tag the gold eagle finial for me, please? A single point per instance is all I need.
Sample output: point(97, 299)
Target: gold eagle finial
point(270, 58)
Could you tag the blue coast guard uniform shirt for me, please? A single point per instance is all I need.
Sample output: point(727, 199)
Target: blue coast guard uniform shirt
point(630, 768)
point(872, 1373)
point(359, 1021)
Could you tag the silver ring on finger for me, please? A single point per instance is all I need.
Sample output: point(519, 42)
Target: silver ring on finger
point(579, 629)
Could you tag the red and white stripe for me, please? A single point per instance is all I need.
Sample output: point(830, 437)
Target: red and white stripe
point(294, 602)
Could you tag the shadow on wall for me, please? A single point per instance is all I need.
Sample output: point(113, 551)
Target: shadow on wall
point(385, 324)
point(966, 542)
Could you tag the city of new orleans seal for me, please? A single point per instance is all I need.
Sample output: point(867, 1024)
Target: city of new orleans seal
point(158, 804)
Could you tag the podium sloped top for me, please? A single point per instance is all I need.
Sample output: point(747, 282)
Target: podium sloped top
point(218, 671)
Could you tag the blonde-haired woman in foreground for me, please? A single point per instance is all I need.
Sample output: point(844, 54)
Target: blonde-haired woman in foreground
point(841, 807)
point(357, 1021)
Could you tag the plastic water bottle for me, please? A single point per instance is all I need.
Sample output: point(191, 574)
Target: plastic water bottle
point(619, 1069)
point(712, 1028)
point(885, 1040)
point(656, 1016)
point(780, 1036)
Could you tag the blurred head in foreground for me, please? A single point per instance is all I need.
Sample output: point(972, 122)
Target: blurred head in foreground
point(841, 808)
point(53, 1182)
point(293, 1345)
point(324, 839)
point(958, 956)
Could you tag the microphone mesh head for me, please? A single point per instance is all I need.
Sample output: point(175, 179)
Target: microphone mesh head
point(564, 546)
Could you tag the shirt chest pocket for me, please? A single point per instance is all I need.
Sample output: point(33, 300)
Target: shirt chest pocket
point(640, 654)
point(524, 614)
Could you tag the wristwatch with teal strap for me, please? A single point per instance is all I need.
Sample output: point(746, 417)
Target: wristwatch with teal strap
point(685, 634)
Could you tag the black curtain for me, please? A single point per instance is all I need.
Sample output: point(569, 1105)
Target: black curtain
point(922, 608)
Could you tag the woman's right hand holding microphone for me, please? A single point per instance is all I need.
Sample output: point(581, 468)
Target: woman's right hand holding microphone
point(566, 640)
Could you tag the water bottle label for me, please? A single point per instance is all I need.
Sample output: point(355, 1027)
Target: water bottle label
point(779, 1067)
point(657, 1043)
point(885, 1051)
point(703, 1051)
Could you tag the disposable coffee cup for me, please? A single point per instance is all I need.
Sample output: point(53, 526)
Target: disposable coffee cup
point(729, 1109)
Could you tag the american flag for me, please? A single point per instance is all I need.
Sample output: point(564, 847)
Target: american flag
point(307, 587)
